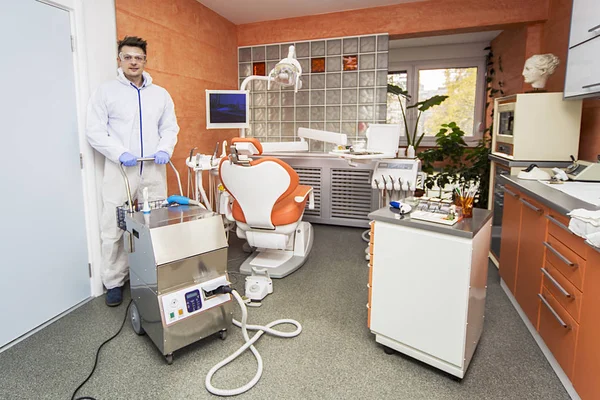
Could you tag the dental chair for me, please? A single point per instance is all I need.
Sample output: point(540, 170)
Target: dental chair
point(268, 205)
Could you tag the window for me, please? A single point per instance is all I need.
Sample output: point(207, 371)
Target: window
point(461, 80)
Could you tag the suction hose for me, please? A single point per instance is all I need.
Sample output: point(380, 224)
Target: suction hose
point(249, 343)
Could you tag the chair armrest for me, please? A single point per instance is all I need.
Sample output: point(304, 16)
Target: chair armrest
point(300, 196)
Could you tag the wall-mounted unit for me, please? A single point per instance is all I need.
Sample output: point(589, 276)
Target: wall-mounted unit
point(583, 62)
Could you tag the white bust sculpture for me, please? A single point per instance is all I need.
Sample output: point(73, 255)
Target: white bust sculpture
point(538, 69)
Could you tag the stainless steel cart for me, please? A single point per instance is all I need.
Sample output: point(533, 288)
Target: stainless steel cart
point(177, 259)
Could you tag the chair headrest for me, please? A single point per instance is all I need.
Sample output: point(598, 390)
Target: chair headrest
point(252, 141)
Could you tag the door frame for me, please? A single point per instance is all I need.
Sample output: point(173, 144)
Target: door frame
point(94, 40)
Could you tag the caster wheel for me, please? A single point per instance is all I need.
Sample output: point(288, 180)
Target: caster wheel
point(388, 350)
point(169, 358)
point(223, 334)
point(136, 320)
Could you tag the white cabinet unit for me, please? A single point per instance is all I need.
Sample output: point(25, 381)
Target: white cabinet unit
point(583, 63)
point(427, 287)
point(585, 21)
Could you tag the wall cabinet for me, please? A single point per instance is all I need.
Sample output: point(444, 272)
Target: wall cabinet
point(587, 354)
point(583, 61)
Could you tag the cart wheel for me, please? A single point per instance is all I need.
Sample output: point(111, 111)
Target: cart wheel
point(136, 320)
point(223, 334)
point(169, 358)
point(388, 350)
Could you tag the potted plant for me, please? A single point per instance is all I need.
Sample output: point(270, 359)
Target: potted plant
point(461, 166)
point(413, 138)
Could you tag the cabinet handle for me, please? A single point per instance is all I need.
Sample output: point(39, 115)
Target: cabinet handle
point(557, 254)
point(590, 86)
point(555, 283)
point(594, 29)
point(558, 318)
point(513, 194)
point(534, 208)
point(559, 224)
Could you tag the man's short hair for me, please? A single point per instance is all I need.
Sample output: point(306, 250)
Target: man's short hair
point(133, 41)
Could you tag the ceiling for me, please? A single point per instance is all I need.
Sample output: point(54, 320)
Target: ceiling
point(461, 38)
point(248, 11)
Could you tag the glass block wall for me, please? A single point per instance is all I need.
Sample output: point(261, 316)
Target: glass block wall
point(344, 84)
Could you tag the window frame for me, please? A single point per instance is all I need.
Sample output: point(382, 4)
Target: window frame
point(412, 70)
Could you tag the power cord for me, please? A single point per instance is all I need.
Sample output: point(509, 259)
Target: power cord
point(97, 354)
point(249, 344)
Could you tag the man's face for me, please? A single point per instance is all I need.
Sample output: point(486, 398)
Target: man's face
point(132, 61)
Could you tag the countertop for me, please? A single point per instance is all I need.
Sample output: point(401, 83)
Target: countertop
point(555, 199)
point(467, 228)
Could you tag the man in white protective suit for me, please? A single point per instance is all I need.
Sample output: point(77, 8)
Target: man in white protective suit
point(129, 118)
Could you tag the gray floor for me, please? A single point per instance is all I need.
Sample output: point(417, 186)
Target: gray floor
point(335, 357)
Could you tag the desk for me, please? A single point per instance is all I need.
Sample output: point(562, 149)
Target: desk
point(427, 287)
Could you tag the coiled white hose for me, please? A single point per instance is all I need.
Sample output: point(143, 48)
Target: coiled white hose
point(249, 343)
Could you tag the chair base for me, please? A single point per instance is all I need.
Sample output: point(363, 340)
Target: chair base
point(281, 263)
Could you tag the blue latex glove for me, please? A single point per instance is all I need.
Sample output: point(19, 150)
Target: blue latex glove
point(128, 159)
point(161, 157)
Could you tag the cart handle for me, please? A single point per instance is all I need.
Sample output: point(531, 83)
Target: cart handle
point(129, 198)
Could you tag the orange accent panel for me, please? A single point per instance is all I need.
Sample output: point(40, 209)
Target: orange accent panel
point(561, 341)
point(566, 237)
point(407, 19)
point(530, 259)
point(572, 304)
point(573, 274)
point(511, 227)
point(254, 141)
point(350, 63)
point(587, 356)
point(317, 65)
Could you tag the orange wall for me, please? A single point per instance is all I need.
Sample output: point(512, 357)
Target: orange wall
point(549, 37)
point(408, 19)
point(190, 49)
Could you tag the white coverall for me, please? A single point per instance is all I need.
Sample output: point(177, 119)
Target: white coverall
point(122, 118)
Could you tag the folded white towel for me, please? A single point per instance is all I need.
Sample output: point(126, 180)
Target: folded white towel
point(594, 239)
point(587, 230)
point(582, 228)
point(591, 217)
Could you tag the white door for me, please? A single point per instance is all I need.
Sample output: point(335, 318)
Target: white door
point(43, 245)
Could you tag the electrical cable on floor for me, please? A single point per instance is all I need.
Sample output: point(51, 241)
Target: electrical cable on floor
point(249, 344)
point(97, 354)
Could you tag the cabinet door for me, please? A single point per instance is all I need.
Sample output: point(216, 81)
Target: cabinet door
point(583, 70)
point(587, 354)
point(511, 225)
point(531, 257)
point(585, 21)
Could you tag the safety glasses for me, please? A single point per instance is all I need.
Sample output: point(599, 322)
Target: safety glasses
point(130, 57)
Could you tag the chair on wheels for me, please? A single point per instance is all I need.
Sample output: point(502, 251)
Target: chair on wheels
point(268, 205)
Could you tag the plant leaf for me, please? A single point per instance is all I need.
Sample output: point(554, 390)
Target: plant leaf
point(428, 103)
point(398, 91)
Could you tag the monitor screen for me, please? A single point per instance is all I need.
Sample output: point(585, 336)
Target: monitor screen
point(227, 109)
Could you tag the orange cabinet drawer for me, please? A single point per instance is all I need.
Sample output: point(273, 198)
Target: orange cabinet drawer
point(569, 263)
point(371, 271)
point(559, 228)
point(558, 330)
point(371, 248)
point(563, 291)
